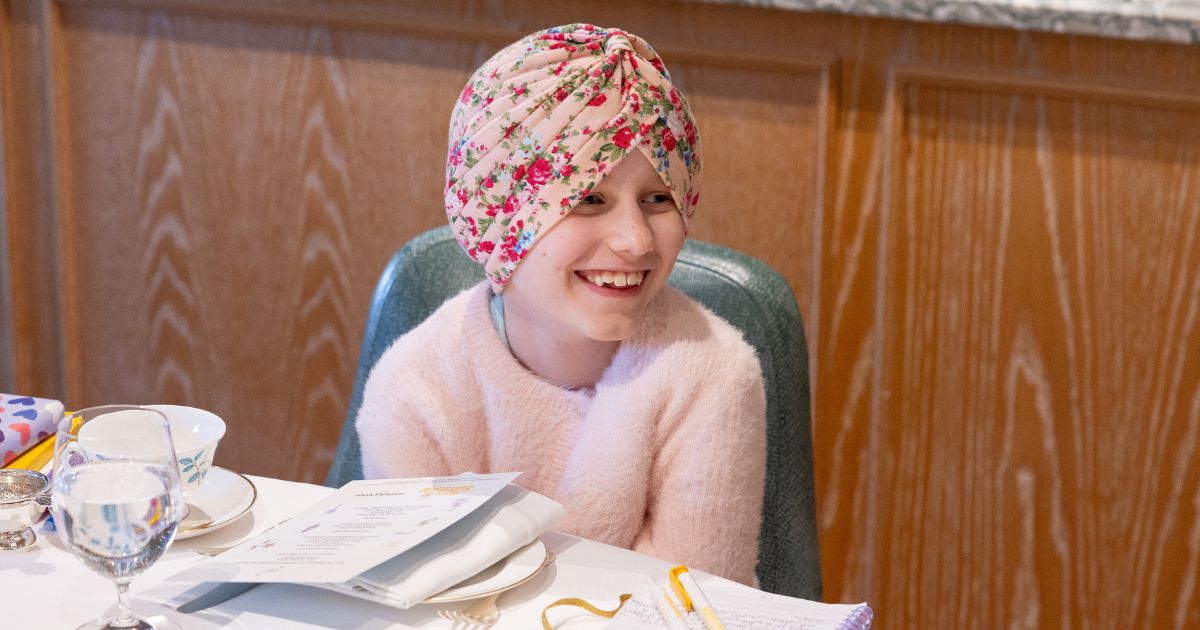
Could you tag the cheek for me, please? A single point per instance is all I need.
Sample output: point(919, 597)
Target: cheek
point(669, 236)
point(549, 269)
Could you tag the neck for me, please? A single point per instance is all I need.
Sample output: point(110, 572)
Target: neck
point(570, 361)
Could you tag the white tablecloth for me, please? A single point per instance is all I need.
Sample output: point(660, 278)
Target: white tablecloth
point(46, 587)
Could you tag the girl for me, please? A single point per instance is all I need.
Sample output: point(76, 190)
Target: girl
point(572, 175)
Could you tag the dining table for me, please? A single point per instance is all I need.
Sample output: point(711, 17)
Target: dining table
point(45, 586)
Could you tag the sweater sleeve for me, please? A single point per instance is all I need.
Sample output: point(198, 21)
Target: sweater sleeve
point(705, 507)
point(395, 437)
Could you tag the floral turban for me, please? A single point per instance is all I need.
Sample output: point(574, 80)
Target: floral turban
point(541, 122)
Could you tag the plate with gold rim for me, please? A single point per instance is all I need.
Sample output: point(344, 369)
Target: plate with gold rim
point(510, 572)
point(225, 497)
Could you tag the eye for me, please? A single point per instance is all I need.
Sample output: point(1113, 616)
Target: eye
point(590, 204)
point(659, 201)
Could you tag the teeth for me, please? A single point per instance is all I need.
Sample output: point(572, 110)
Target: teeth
point(615, 278)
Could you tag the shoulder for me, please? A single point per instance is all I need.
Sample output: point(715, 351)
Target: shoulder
point(684, 346)
point(682, 323)
point(700, 371)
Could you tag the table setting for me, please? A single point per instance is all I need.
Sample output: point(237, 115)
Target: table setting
point(129, 524)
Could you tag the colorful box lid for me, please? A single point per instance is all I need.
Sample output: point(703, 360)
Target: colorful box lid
point(25, 421)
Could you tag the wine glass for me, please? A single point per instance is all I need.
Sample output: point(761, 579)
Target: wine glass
point(116, 497)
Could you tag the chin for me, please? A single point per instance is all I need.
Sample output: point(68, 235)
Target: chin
point(613, 329)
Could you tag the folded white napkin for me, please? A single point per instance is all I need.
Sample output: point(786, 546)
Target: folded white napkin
point(506, 522)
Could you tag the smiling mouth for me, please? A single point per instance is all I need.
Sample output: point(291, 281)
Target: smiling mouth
point(613, 279)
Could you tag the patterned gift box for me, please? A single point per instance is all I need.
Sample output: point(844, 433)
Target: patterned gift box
point(25, 421)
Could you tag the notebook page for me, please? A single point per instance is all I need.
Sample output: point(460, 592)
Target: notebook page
point(742, 608)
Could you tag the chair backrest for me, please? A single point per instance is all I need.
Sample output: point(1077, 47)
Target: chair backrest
point(744, 291)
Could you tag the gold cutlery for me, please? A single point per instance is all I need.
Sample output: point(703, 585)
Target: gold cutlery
point(482, 613)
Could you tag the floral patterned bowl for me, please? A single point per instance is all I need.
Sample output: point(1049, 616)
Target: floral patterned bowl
point(196, 433)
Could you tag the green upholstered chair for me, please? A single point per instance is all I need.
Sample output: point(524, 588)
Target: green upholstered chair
point(744, 291)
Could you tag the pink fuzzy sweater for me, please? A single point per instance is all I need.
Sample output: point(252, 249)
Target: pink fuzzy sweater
point(666, 456)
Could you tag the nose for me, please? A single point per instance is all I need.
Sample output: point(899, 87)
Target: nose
point(629, 232)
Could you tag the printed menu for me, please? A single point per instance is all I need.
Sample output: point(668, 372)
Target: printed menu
point(359, 526)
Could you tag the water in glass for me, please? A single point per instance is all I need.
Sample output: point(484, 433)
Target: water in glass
point(116, 498)
point(118, 516)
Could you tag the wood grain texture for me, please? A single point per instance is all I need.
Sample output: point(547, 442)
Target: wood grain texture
point(322, 346)
point(7, 354)
point(912, 409)
point(164, 239)
point(1028, 287)
point(258, 198)
point(992, 237)
point(30, 205)
point(781, 119)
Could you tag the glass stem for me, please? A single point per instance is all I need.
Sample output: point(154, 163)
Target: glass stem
point(125, 618)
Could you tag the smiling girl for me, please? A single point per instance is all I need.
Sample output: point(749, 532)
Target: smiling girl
point(572, 175)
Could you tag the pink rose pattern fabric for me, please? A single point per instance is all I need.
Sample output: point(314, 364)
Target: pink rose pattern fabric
point(542, 121)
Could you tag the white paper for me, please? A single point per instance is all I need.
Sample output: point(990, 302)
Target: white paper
point(359, 526)
point(513, 518)
point(744, 608)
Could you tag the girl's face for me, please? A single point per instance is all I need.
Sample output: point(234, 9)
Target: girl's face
point(595, 271)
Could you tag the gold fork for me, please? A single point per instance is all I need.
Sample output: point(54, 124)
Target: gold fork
point(482, 613)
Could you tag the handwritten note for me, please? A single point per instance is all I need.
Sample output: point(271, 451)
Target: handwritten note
point(743, 608)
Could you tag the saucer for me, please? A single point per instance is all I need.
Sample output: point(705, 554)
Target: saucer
point(225, 497)
point(512, 571)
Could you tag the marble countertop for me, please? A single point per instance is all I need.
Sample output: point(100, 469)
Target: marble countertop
point(1163, 20)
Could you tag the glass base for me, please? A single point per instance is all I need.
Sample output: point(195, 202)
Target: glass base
point(155, 622)
point(17, 539)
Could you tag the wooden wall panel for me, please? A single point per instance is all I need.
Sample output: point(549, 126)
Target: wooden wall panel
point(7, 355)
point(32, 306)
point(1040, 260)
point(764, 127)
point(879, 466)
point(244, 178)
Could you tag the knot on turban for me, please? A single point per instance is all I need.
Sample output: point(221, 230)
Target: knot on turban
point(542, 121)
